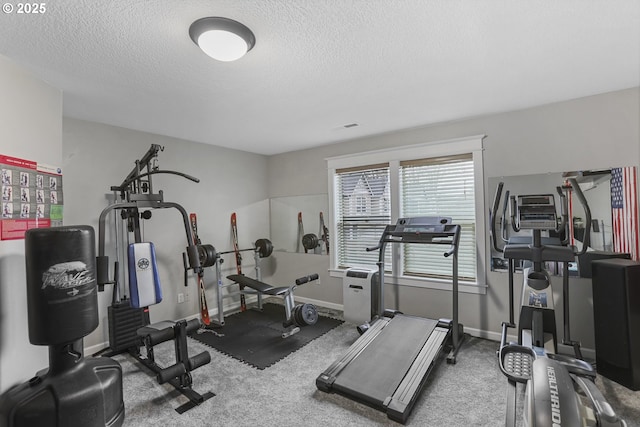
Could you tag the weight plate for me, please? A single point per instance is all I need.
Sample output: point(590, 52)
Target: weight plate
point(264, 247)
point(305, 314)
point(207, 255)
point(310, 241)
point(295, 314)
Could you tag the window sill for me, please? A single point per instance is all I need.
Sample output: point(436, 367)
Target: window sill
point(444, 285)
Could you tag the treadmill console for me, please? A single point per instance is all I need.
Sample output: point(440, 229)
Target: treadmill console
point(423, 224)
point(536, 212)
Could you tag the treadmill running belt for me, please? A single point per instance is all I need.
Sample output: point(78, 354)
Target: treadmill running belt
point(377, 371)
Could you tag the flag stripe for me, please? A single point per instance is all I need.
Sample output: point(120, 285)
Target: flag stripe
point(624, 211)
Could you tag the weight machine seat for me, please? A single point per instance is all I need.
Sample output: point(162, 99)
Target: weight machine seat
point(258, 285)
point(162, 327)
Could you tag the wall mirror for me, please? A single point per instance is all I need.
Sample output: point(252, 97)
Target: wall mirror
point(297, 226)
point(612, 198)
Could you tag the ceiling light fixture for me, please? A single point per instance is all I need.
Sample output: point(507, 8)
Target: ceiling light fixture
point(222, 38)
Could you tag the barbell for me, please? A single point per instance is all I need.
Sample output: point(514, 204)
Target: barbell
point(264, 247)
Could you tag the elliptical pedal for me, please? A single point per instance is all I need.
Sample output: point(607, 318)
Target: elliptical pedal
point(518, 365)
point(516, 362)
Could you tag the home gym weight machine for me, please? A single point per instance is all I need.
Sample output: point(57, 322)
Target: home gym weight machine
point(389, 364)
point(560, 390)
point(129, 326)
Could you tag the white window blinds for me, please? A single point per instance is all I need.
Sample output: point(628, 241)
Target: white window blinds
point(363, 211)
point(441, 186)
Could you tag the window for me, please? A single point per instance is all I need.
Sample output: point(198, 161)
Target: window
point(440, 186)
point(363, 210)
point(371, 190)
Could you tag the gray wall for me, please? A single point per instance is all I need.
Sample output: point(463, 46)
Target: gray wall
point(31, 129)
point(593, 132)
point(98, 156)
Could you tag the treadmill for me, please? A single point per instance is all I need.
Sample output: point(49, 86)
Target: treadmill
point(388, 365)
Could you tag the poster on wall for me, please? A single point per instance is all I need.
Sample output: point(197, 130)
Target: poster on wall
point(31, 197)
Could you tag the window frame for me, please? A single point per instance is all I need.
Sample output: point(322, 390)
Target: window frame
point(393, 156)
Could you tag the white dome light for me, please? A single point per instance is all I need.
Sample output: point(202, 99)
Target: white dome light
point(222, 45)
point(221, 38)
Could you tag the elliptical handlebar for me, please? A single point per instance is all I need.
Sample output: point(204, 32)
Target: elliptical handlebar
point(513, 208)
point(503, 225)
point(564, 216)
point(587, 212)
point(492, 216)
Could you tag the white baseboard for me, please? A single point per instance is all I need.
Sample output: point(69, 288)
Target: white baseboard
point(587, 353)
point(95, 348)
point(319, 303)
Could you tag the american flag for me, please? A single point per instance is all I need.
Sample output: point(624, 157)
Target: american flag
point(624, 211)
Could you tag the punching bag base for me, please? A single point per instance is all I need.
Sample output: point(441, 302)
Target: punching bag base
point(54, 401)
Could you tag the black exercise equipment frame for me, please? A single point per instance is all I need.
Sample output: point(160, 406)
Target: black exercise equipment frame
point(534, 366)
point(263, 248)
point(136, 193)
point(538, 253)
point(433, 336)
point(296, 316)
point(447, 234)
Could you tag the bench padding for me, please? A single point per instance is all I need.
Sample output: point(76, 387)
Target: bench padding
point(257, 285)
point(144, 283)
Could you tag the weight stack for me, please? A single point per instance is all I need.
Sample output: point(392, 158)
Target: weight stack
point(616, 315)
point(124, 322)
point(62, 310)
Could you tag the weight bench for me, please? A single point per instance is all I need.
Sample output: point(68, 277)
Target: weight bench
point(296, 316)
point(145, 290)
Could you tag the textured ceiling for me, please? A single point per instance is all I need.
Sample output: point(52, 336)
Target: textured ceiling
point(321, 64)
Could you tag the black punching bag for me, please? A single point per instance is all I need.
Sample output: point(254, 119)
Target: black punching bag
point(61, 284)
point(63, 308)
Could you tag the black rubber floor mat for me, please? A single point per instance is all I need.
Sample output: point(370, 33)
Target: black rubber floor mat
point(255, 337)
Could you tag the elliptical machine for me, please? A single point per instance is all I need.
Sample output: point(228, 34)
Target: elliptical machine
point(559, 389)
point(538, 213)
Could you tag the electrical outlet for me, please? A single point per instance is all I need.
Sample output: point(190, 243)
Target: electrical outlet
point(318, 280)
point(180, 298)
